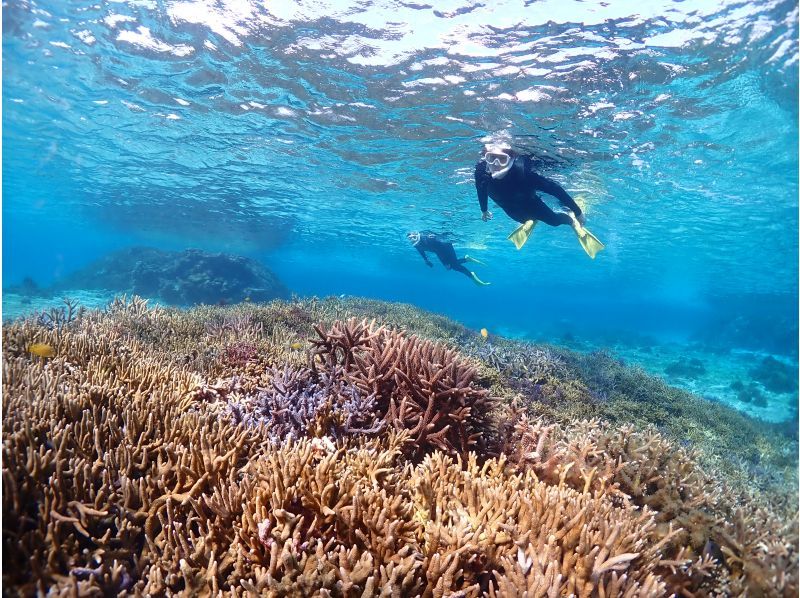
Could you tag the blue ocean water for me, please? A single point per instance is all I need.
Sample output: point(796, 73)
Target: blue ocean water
point(312, 136)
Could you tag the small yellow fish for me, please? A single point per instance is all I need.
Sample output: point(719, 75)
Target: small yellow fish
point(42, 350)
point(484, 333)
point(296, 345)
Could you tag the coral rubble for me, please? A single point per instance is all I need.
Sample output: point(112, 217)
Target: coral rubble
point(297, 449)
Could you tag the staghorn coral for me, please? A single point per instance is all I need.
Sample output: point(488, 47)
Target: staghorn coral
point(238, 354)
point(238, 326)
point(536, 364)
point(352, 522)
point(125, 471)
point(418, 385)
point(649, 470)
point(300, 403)
point(597, 385)
point(61, 316)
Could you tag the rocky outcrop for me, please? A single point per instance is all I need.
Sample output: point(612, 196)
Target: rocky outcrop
point(180, 278)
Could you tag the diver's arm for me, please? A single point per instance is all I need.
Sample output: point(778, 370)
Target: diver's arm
point(424, 256)
point(482, 179)
point(550, 187)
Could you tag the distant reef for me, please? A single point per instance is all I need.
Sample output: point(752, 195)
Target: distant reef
point(184, 278)
point(347, 447)
point(758, 321)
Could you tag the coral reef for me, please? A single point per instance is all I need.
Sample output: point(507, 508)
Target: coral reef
point(300, 403)
point(629, 395)
point(775, 376)
point(686, 368)
point(417, 385)
point(179, 278)
point(702, 514)
point(287, 449)
point(749, 393)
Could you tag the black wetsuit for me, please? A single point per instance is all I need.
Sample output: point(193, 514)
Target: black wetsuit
point(516, 194)
point(444, 250)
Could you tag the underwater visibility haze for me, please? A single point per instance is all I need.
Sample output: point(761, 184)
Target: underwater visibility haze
point(231, 162)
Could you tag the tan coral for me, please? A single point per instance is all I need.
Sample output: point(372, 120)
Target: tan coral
point(646, 469)
point(420, 386)
point(121, 474)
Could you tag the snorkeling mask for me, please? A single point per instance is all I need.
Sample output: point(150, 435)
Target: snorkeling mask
point(498, 158)
point(413, 237)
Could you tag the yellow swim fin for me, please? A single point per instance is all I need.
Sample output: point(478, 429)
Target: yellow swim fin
point(520, 236)
point(591, 244)
point(477, 280)
point(468, 258)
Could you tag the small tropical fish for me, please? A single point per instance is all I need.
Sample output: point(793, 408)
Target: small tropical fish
point(296, 345)
point(484, 333)
point(42, 350)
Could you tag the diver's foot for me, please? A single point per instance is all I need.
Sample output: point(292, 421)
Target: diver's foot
point(577, 226)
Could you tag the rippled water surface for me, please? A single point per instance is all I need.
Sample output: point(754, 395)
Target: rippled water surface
point(313, 135)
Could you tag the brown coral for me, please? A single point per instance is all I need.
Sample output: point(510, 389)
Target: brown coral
point(420, 386)
point(122, 475)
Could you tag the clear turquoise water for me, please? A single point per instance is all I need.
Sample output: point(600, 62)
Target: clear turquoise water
point(313, 135)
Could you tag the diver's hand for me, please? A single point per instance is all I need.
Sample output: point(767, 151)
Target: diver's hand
point(487, 215)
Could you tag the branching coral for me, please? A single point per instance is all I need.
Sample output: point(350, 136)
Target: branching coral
point(58, 317)
point(128, 469)
point(354, 521)
point(647, 469)
point(537, 364)
point(418, 385)
point(299, 403)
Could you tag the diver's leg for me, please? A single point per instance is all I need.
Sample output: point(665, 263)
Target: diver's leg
point(541, 211)
point(442, 259)
point(471, 275)
point(459, 268)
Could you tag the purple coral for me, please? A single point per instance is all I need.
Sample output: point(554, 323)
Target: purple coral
point(300, 403)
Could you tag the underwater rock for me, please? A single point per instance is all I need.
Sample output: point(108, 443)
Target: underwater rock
point(686, 368)
point(180, 278)
point(749, 393)
point(27, 288)
point(774, 375)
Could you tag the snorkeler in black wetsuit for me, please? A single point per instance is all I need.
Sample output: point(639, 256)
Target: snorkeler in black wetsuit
point(444, 250)
point(510, 180)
